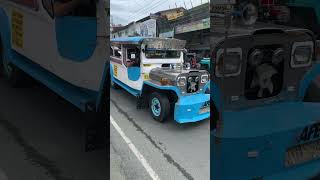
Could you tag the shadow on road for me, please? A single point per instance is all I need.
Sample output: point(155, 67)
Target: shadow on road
point(45, 137)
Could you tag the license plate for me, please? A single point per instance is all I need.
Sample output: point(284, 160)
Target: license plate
point(302, 153)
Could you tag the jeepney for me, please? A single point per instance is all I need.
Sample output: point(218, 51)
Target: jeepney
point(262, 126)
point(152, 70)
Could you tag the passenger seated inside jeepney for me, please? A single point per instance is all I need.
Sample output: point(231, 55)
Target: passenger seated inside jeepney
point(133, 57)
point(75, 8)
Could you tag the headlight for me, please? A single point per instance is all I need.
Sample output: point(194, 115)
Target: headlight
point(181, 81)
point(302, 53)
point(204, 78)
point(231, 65)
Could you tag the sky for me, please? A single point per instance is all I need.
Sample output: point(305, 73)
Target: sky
point(126, 11)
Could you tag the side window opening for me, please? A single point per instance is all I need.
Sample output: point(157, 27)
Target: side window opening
point(117, 52)
point(132, 57)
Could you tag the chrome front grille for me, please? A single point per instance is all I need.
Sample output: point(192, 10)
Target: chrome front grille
point(193, 84)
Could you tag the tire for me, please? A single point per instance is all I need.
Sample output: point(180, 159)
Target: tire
point(159, 106)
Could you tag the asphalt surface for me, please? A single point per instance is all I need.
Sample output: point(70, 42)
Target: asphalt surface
point(42, 137)
point(174, 151)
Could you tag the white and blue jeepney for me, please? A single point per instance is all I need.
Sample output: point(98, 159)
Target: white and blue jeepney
point(151, 69)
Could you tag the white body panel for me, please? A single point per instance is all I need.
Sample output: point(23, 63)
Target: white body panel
point(122, 74)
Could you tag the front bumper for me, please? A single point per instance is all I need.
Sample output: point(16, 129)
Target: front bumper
point(187, 109)
point(253, 143)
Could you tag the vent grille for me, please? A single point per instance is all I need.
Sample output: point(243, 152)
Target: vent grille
point(264, 75)
point(193, 84)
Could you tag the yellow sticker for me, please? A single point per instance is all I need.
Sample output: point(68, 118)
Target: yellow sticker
point(17, 29)
point(146, 76)
point(115, 70)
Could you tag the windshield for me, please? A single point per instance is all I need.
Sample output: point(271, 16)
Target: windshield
point(162, 54)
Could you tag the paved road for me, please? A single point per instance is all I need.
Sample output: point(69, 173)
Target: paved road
point(41, 137)
point(174, 151)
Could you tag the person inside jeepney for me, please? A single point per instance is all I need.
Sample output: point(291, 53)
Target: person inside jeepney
point(133, 57)
point(74, 8)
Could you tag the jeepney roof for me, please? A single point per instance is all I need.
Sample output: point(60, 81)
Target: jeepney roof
point(128, 40)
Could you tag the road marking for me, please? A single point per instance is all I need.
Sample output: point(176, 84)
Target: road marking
point(133, 148)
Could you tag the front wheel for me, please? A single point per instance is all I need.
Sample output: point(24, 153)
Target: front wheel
point(159, 106)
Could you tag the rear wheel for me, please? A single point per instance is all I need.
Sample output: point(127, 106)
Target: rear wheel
point(159, 106)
